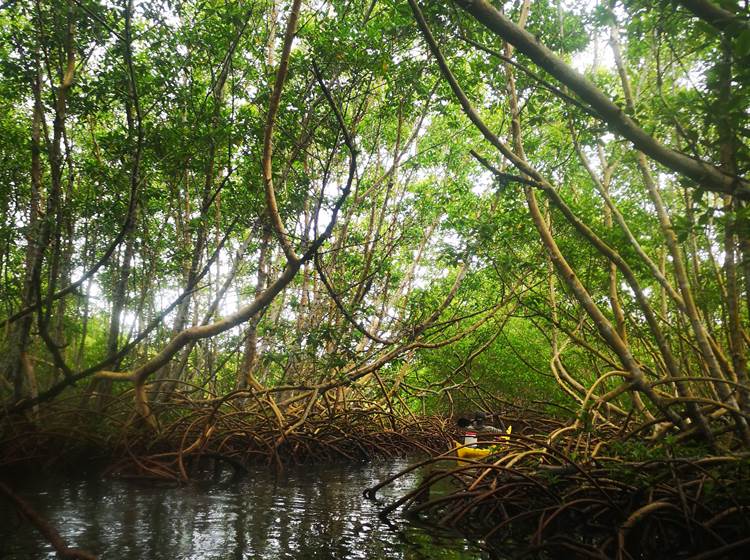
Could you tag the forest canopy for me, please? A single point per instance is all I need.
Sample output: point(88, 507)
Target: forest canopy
point(423, 206)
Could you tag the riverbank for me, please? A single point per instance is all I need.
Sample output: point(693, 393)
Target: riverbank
point(192, 435)
point(589, 496)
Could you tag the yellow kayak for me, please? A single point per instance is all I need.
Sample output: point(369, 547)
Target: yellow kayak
point(480, 452)
point(472, 452)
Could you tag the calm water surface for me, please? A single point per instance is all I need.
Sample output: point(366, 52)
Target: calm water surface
point(307, 512)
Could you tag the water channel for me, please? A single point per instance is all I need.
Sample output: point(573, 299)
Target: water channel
point(311, 512)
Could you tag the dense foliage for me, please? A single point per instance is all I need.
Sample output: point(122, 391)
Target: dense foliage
point(352, 199)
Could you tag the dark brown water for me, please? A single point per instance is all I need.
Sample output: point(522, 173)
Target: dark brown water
point(315, 512)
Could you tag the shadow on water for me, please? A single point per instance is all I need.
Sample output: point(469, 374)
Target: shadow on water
point(315, 512)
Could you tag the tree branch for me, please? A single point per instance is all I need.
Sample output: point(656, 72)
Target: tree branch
point(704, 174)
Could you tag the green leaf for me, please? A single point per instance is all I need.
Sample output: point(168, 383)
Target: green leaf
point(706, 28)
point(742, 44)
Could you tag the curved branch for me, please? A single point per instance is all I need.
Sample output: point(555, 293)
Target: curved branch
point(273, 109)
point(337, 300)
point(702, 173)
point(721, 19)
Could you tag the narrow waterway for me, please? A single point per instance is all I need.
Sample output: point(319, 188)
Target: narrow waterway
point(315, 512)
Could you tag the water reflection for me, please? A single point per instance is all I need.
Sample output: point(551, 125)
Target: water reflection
point(306, 513)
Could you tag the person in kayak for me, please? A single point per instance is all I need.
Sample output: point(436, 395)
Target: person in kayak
point(481, 427)
point(469, 431)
